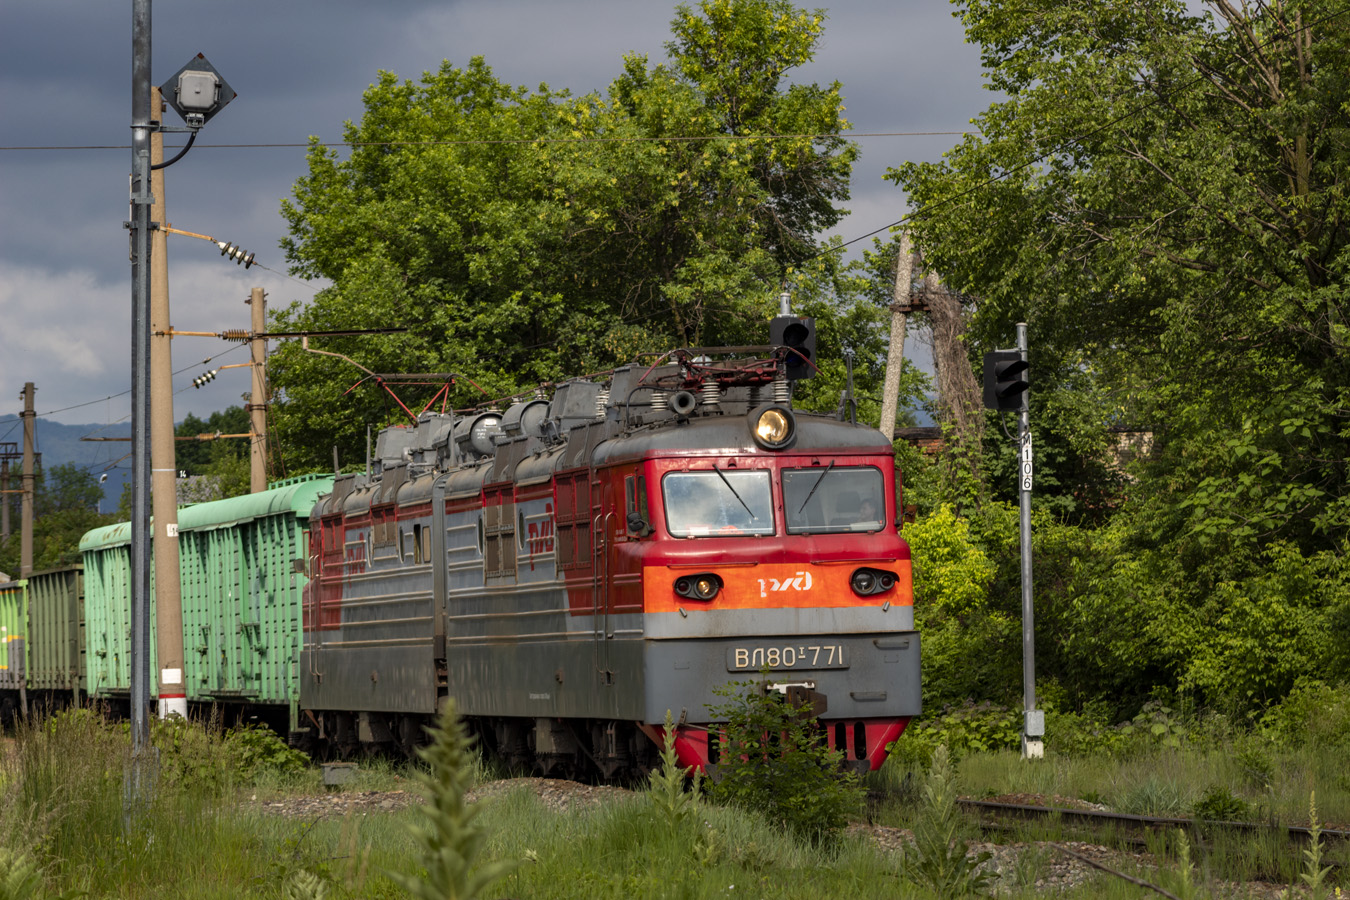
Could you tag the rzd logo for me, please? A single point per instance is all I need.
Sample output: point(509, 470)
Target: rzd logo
point(801, 581)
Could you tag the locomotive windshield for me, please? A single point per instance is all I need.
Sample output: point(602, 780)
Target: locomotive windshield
point(833, 499)
point(717, 502)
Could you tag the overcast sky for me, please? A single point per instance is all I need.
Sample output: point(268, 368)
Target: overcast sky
point(300, 68)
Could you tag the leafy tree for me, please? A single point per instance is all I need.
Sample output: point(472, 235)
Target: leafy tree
point(1161, 196)
point(523, 236)
point(223, 465)
point(196, 457)
point(65, 506)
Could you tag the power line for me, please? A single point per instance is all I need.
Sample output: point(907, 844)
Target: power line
point(128, 391)
point(536, 140)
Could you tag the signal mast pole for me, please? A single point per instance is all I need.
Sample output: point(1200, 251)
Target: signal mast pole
point(1033, 747)
point(141, 200)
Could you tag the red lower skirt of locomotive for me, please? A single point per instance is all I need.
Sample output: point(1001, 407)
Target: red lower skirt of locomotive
point(862, 741)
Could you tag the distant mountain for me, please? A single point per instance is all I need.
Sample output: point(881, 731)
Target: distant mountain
point(62, 444)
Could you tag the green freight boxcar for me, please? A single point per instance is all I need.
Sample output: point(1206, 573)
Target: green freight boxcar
point(56, 636)
point(13, 630)
point(107, 610)
point(41, 641)
point(242, 590)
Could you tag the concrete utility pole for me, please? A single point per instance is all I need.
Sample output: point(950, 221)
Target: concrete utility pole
point(26, 514)
point(890, 396)
point(164, 493)
point(4, 501)
point(9, 450)
point(257, 407)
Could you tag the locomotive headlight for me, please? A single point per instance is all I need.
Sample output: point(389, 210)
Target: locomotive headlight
point(703, 586)
point(774, 427)
point(871, 581)
point(864, 582)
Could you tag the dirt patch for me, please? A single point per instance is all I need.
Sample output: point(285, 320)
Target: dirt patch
point(555, 794)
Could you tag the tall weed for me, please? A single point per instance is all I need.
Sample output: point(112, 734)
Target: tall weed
point(940, 860)
point(448, 841)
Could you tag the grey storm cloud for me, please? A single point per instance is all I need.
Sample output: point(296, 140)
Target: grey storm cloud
point(300, 68)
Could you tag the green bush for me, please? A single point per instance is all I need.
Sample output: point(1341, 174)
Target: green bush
point(1084, 733)
point(258, 750)
point(1313, 714)
point(1156, 725)
point(963, 728)
point(969, 644)
point(1219, 804)
point(192, 755)
point(776, 761)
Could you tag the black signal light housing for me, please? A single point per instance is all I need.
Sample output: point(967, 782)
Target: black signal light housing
point(798, 335)
point(867, 581)
point(1005, 380)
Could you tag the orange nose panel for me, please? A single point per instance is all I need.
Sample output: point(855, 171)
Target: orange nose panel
point(776, 586)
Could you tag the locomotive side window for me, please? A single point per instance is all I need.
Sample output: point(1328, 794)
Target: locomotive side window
point(717, 503)
point(636, 518)
point(826, 499)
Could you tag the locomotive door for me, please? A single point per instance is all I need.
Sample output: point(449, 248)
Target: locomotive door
point(601, 539)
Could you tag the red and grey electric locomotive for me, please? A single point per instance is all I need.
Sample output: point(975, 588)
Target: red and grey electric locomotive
point(570, 570)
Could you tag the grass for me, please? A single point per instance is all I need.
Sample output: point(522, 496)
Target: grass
point(62, 813)
point(1267, 784)
point(1168, 781)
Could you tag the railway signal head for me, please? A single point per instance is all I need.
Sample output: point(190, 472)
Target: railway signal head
point(798, 335)
point(1005, 380)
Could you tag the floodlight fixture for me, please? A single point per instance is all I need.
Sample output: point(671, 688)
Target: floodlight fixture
point(197, 92)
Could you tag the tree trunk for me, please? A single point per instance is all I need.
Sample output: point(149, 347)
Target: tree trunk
point(958, 393)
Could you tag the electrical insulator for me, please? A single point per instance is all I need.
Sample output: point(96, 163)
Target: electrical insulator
point(235, 334)
point(204, 378)
point(236, 253)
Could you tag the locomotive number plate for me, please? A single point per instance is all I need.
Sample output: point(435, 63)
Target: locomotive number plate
point(781, 657)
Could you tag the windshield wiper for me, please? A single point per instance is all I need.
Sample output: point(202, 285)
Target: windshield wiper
point(733, 491)
point(814, 486)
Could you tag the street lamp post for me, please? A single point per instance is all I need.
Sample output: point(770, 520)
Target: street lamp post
point(197, 92)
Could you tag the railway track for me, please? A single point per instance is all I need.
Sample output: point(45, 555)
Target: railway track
point(996, 815)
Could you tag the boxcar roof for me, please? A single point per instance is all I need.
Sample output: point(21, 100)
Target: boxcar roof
point(296, 496)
